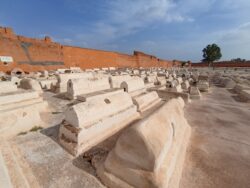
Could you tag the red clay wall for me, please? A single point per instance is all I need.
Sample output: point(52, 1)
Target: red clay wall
point(145, 60)
point(124, 60)
point(29, 54)
point(166, 64)
point(43, 54)
point(223, 64)
point(88, 58)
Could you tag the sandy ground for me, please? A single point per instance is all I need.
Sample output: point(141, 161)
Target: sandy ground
point(219, 152)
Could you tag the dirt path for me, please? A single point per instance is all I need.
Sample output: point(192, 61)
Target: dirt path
point(219, 151)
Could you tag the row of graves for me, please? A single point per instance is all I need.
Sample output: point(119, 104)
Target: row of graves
point(149, 103)
point(235, 80)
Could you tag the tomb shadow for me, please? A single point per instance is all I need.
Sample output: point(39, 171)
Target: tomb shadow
point(240, 99)
point(61, 96)
point(89, 160)
point(52, 132)
point(232, 91)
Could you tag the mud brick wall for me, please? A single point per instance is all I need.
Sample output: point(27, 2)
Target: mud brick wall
point(223, 64)
point(29, 54)
point(88, 58)
point(43, 54)
point(124, 60)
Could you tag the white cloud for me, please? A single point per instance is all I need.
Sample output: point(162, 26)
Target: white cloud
point(241, 34)
point(235, 42)
point(125, 17)
point(195, 6)
point(235, 5)
point(122, 18)
point(129, 16)
point(143, 11)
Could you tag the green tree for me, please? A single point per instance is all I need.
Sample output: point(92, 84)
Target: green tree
point(211, 53)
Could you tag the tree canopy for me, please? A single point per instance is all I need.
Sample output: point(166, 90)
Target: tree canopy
point(211, 53)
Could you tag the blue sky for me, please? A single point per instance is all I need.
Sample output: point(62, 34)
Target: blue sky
point(170, 29)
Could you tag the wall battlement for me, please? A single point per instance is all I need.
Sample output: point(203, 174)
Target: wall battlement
point(7, 31)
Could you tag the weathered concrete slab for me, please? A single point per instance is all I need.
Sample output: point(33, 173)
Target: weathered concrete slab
point(115, 81)
point(20, 111)
point(76, 87)
point(63, 79)
point(4, 176)
point(151, 152)
point(36, 160)
point(7, 87)
point(87, 124)
point(146, 101)
point(133, 86)
point(99, 94)
point(194, 92)
point(185, 85)
point(203, 85)
point(168, 95)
